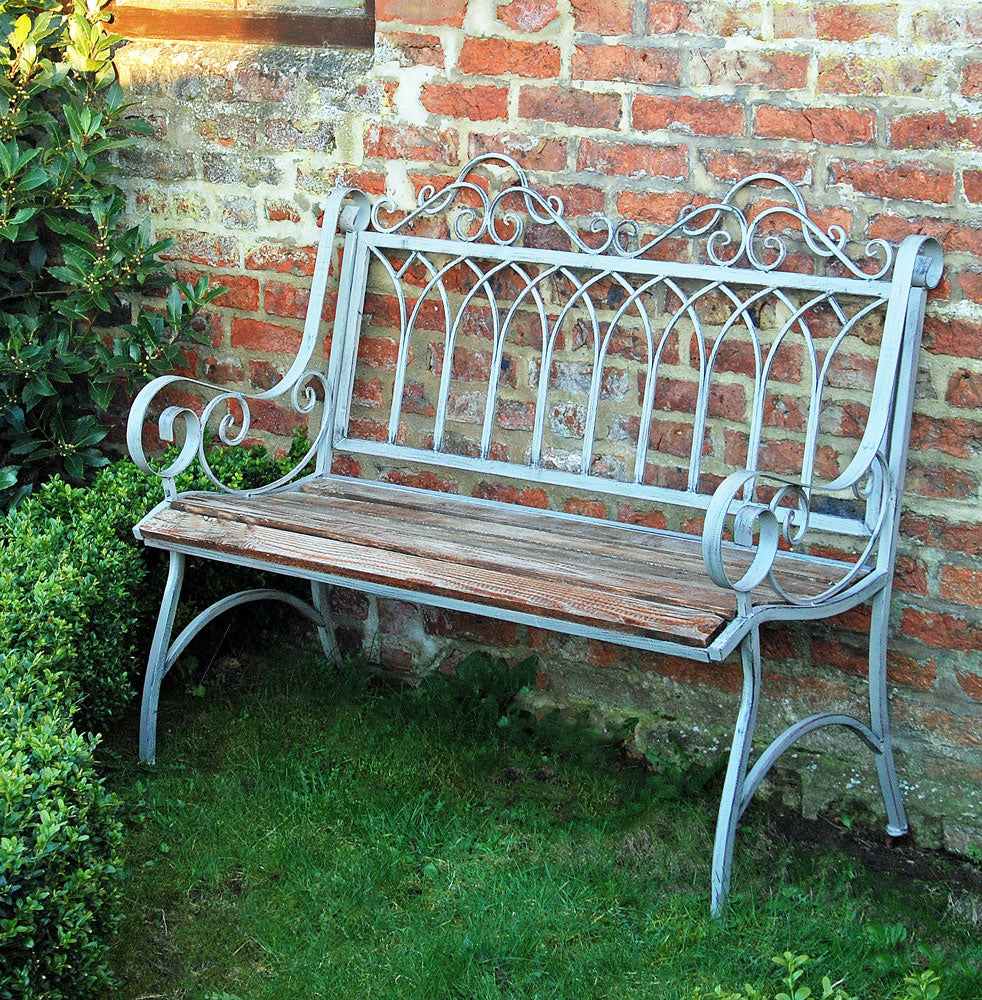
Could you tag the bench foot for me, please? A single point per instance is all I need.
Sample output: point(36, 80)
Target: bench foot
point(731, 802)
point(740, 785)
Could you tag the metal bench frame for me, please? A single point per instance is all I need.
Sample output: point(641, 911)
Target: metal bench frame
point(742, 257)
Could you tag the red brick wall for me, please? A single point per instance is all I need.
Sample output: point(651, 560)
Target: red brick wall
point(629, 107)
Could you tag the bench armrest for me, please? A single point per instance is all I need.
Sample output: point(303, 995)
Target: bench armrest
point(230, 414)
point(346, 209)
point(787, 516)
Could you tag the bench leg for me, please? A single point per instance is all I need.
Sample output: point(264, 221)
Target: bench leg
point(880, 716)
point(157, 662)
point(731, 807)
point(320, 598)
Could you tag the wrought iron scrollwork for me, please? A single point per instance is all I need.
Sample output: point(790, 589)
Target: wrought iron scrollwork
point(759, 527)
point(733, 235)
point(228, 415)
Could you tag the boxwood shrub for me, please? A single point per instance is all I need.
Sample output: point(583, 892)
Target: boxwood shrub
point(80, 596)
point(59, 839)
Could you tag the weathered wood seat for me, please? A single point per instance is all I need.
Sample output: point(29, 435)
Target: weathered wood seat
point(785, 369)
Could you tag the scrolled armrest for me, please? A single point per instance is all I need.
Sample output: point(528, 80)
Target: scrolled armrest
point(232, 428)
point(775, 520)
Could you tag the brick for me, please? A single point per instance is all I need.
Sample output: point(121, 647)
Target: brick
point(379, 352)
point(828, 126)
point(415, 50)
point(688, 114)
point(734, 166)
point(946, 24)
point(201, 248)
point(629, 64)
point(972, 180)
point(263, 374)
point(650, 206)
point(645, 518)
point(284, 258)
point(496, 56)
point(392, 142)
point(941, 630)
point(854, 22)
point(954, 436)
point(955, 237)
point(972, 79)
point(528, 15)
point(632, 159)
point(577, 199)
point(445, 12)
point(726, 676)
point(514, 414)
point(527, 496)
point(961, 585)
point(703, 17)
point(282, 211)
point(955, 337)
point(470, 628)
point(472, 366)
point(603, 17)
point(243, 291)
point(965, 389)
point(220, 370)
point(280, 299)
point(255, 335)
point(904, 182)
point(415, 399)
point(773, 70)
point(971, 684)
point(943, 534)
point(476, 104)
point(570, 107)
point(906, 670)
point(936, 131)
point(585, 508)
point(534, 152)
point(679, 396)
point(970, 283)
point(942, 483)
point(793, 20)
point(367, 393)
point(896, 77)
point(424, 480)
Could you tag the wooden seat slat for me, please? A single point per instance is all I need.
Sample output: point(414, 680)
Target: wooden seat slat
point(439, 537)
point(672, 555)
point(527, 592)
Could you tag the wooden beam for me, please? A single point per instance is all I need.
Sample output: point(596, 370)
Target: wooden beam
point(209, 25)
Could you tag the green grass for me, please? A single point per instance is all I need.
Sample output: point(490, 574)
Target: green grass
point(317, 836)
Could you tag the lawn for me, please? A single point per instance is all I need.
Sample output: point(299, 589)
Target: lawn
point(309, 833)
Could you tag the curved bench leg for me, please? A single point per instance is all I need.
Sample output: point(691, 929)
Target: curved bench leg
point(157, 661)
point(730, 807)
point(879, 714)
point(320, 598)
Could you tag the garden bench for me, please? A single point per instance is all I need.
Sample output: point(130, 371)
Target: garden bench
point(737, 368)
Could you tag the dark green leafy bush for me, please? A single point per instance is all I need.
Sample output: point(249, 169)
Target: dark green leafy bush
point(59, 841)
point(70, 264)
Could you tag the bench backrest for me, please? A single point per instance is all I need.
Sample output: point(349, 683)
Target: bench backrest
point(483, 331)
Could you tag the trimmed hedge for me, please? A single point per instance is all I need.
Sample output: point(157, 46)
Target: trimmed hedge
point(59, 841)
point(80, 597)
